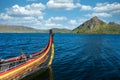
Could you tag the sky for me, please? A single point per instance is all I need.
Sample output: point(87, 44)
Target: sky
point(47, 14)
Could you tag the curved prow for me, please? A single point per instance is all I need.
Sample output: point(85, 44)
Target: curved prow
point(50, 41)
point(51, 34)
point(52, 48)
point(19, 67)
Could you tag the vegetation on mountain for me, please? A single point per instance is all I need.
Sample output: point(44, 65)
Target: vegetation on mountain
point(92, 26)
point(97, 26)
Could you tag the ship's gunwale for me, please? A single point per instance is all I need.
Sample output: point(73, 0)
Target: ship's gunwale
point(28, 63)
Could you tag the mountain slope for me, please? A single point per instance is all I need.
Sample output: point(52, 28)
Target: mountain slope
point(16, 29)
point(64, 30)
point(95, 25)
point(23, 29)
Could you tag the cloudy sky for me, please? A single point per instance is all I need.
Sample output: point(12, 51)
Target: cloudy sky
point(46, 14)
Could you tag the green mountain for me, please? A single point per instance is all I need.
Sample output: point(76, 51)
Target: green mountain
point(97, 26)
point(16, 29)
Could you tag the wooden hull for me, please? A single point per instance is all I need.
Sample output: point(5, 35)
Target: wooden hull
point(42, 74)
point(32, 65)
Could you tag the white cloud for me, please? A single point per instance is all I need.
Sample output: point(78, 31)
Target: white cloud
point(26, 21)
point(29, 15)
point(99, 14)
point(4, 16)
point(104, 7)
point(58, 18)
point(55, 22)
point(66, 5)
point(40, 18)
point(86, 8)
point(28, 10)
point(49, 25)
point(31, 0)
point(35, 6)
point(33, 14)
point(61, 4)
point(52, 25)
point(73, 22)
point(116, 12)
point(63, 1)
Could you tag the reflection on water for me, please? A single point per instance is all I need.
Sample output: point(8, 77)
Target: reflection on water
point(44, 74)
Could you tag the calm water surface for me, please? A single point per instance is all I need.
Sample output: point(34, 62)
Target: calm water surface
point(77, 56)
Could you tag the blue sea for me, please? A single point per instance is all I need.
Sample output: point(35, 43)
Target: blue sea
point(77, 56)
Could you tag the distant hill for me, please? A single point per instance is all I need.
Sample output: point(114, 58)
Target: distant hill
point(16, 29)
point(57, 30)
point(23, 29)
point(95, 25)
point(63, 30)
point(91, 26)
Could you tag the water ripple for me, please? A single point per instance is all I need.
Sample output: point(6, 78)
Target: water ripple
point(77, 56)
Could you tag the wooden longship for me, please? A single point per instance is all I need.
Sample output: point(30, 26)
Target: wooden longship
point(18, 67)
point(42, 74)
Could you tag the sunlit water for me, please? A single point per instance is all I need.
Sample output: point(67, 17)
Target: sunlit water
point(77, 56)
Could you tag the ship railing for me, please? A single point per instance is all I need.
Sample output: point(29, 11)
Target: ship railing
point(10, 65)
point(7, 66)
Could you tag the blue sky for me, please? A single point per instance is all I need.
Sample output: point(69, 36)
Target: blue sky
point(47, 14)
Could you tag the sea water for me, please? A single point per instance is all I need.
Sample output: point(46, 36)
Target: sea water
point(77, 56)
